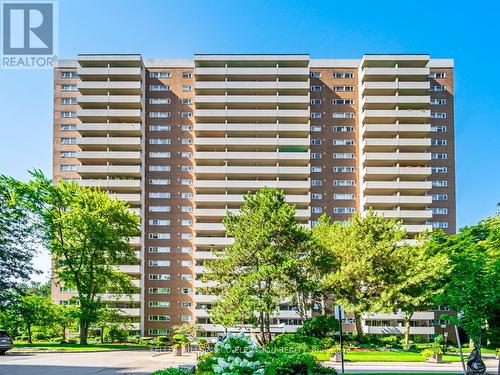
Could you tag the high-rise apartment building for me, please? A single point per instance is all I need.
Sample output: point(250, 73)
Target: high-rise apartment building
point(183, 140)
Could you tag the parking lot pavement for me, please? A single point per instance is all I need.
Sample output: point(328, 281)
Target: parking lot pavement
point(102, 363)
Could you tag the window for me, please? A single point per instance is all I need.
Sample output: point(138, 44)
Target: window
point(159, 331)
point(315, 88)
point(343, 142)
point(344, 197)
point(316, 182)
point(186, 290)
point(156, 318)
point(438, 129)
point(186, 277)
point(439, 211)
point(438, 101)
point(439, 142)
point(438, 224)
point(315, 128)
point(159, 236)
point(186, 168)
point(439, 197)
point(66, 114)
point(159, 290)
point(437, 88)
point(342, 101)
point(159, 128)
point(159, 276)
point(159, 195)
point(437, 75)
point(159, 168)
point(187, 101)
point(186, 181)
point(343, 114)
point(343, 155)
point(187, 236)
point(159, 208)
point(187, 74)
point(316, 197)
point(316, 142)
point(316, 115)
point(186, 249)
point(69, 88)
point(186, 114)
point(159, 88)
point(343, 210)
point(69, 75)
point(343, 88)
point(187, 195)
point(186, 128)
point(159, 249)
point(440, 183)
point(159, 263)
point(187, 304)
point(68, 127)
point(159, 101)
point(159, 223)
point(315, 101)
point(67, 168)
point(343, 169)
point(438, 115)
point(343, 75)
point(186, 318)
point(186, 141)
point(316, 169)
point(68, 100)
point(316, 155)
point(439, 156)
point(160, 75)
point(343, 128)
point(439, 169)
point(159, 114)
point(316, 210)
point(187, 155)
point(68, 154)
point(187, 88)
point(68, 141)
point(344, 183)
point(159, 181)
point(159, 304)
point(186, 209)
point(186, 222)
point(315, 74)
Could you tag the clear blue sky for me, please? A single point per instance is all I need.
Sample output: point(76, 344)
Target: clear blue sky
point(467, 32)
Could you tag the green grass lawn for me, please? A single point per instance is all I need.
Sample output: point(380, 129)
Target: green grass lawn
point(42, 346)
point(386, 356)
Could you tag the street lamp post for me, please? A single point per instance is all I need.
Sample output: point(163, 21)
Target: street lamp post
point(445, 336)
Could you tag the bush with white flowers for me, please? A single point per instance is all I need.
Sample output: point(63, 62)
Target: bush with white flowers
point(238, 355)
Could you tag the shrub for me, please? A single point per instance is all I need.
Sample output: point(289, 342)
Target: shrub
point(134, 339)
point(292, 363)
point(169, 371)
point(319, 326)
point(114, 333)
point(206, 362)
point(294, 343)
point(392, 342)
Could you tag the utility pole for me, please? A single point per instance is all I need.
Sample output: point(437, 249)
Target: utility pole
point(339, 315)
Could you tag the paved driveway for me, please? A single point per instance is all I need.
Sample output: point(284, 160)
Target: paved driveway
point(102, 363)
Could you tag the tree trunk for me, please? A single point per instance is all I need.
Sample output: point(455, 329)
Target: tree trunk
point(268, 328)
point(407, 318)
point(28, 326)
point(84, 328)
point(64, 333)
point(323, 305)
point(101, 333)
point(359, 327)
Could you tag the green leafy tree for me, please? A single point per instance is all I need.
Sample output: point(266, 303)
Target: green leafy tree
point(250, 274)
point(106, 317)
point(367, 249)
point(88, 235)
point(32, 310)
point(319, 326)
point(473, 288)
point(64, 317)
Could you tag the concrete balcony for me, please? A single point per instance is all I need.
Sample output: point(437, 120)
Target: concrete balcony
point(130, 269)
point(219, 213)
point(245, 99)
point(304, 199)
point(288, 314)
point(255, 141)
point(419, 315)
point(394, 143)
point(126, 157)
point(213, 241)
point(209, 227)
point(252, 85)
point(129, 311)
point(397, 185)
point(135, 241)
point(204, 298)
point(112, 87)
point(393, 157)
point(109, 170)
point(251, 170)
point(405, 214)
point(383, 72)
point(217, 155)
point(396, 200)
point(134, 210)
point(376, 115)
point(398, 330)
point(115, 185)
point(255, 113)
point(111, 128)
point(126, 115)
point(204, 255)
point(132, 199)
point(391, 129)
point(121, 297)
point(416, 228)
point(124, 143)
point(394, 100)
point(391, 87)
point(252, 184)
point(260, 127)
point(128, 101)
point(254, 71)
point(393, 172)
point(103, 72)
